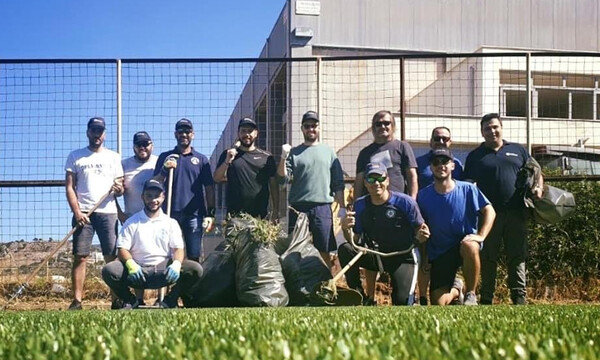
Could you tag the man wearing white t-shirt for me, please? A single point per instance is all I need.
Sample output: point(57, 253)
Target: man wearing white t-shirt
point(150, 253)
point(90, 173)
point(137, 170)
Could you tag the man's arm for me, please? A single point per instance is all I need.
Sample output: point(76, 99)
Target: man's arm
point(412, 183)
point(282, 172)
point(70, 183)
point(209, 191)
point(488, 215)
point(123, 255)
point(224, 162)
point(178, 254)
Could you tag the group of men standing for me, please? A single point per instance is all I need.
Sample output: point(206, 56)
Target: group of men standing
point(448, 219)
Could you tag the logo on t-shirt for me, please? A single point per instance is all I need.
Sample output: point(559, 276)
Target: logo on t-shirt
point(194, 160)
point(511, 154)
point(390, 213)
point(162, 237)
point(384, 158)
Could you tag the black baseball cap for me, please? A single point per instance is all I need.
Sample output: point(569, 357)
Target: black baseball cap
point(140, 137)
point(96, 122)
point(153, 184)
point(184, 123)
point(247, 122)
point(310, 115)
point(441, 152)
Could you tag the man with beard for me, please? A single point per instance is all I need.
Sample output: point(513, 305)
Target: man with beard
point(248, 172)
point(192, 185)
point(90, 173)
point(494, 166)
point(440, 138)
point(150, 251)
point(451, 209)
point(316, 178)
point(389, 221)
point(396, 155)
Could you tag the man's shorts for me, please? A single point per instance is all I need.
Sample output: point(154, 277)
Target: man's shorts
point(320, 224)
point(444, 268)
point(105, 225)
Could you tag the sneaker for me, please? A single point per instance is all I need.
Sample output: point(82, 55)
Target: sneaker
point(75, 305)
point(458, 285)
point(369, 302)
point(130, 305)
point(116, 304)
point(519, 300)
point(470, 299)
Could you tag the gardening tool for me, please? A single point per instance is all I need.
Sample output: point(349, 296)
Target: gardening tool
point(64, 240)
point(327, 293)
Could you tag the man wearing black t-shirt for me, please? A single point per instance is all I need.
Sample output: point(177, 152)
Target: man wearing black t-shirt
point(249, 172)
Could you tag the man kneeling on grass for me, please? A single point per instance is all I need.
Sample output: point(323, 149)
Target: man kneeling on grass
point(150, 253)
point(451, 209)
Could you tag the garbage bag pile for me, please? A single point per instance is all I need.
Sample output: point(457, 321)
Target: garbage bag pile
point(258, 266)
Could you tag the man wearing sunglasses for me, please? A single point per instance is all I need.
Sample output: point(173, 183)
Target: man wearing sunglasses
point(440, 139)
point(193, 197)
point(451, 210)
point(316, 178)
point(387, 221)
point(494, 166)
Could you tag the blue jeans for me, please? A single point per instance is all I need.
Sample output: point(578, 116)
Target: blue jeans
point(192, 234)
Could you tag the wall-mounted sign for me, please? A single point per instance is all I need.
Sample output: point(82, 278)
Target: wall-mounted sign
point(305, 7)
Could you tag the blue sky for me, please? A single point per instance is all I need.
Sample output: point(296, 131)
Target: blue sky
point(104, 29)
point(42, 29)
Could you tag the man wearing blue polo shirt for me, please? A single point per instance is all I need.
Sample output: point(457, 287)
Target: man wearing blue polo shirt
point(451, 209)
point(494, 166)
point(192, 186)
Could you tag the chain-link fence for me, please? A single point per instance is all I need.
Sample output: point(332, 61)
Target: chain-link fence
point(45, 105)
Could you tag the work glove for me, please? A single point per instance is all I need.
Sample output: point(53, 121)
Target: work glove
point(173, 271)
point(135, 276)
point(285, 151)
point(170, 162)
point(208, 223)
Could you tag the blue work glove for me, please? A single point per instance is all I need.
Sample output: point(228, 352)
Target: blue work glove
point(135, 276)
point(173, 271)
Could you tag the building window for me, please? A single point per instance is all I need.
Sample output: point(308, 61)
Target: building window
point(553, 103)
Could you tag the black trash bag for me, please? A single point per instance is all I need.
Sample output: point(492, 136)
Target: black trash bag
point(216, 287)
point(302, 264)
point(258, 277)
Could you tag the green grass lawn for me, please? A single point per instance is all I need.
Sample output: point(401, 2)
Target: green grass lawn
point(458, 332)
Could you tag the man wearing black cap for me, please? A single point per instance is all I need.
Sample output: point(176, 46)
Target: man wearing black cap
point(192, 186)
point(90, 173)
point(316, 178)
point(451, 210)
point(150, 251)
point(137, 169)
point(388, 221)
point(248, 172)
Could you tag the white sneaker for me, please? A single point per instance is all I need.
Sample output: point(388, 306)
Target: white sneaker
point(471, 299)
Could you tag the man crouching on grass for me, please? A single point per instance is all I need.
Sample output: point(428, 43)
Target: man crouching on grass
point(150, 253)
point(451, 209)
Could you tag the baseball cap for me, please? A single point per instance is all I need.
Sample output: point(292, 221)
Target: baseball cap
point(376, 168)
point(141, 136)
point(183, 123)
point(96, 122)
point(310, 115)
point(247, 122)
point(153, 184)
point(441, 152)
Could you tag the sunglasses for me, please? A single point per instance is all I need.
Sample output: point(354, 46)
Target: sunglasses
point(310, 126)
point(441, 138)
point(143, 144)
point(373, 179)
point(440, 161)
point(184, 131)
point(382, 123)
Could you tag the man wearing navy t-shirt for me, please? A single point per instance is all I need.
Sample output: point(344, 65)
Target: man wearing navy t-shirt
point(192, 186)
point(451, 209)
point(493, 166)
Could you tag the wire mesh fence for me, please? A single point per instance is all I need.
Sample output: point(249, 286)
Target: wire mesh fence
point(45, 105)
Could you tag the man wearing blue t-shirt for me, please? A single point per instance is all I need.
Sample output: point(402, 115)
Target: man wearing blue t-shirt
point(192, 186)
point(493, 166)
point(451, 209)
point(388, 221)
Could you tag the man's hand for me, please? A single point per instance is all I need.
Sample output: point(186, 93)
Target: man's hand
point(135, 276)
point(173, 271)
point(230, 155)
point(422, 233)
point(81, 218)
point(285, 151)
point(117, 187)
point(171, 162)
point(208, 223)
point(348, 221)
point(473, 237)
point(538, 191)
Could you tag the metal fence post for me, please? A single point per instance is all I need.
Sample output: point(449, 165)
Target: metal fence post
point(528, 101)
point(119, 106)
